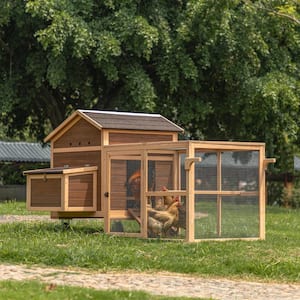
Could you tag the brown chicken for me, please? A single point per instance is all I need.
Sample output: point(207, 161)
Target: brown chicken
point(168, 200)
point(168, 218)
point(154, 227)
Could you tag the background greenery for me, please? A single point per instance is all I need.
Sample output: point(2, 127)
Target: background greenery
point(221, 69)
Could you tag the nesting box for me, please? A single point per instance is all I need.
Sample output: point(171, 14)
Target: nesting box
point(131, 171)
point(63, 189)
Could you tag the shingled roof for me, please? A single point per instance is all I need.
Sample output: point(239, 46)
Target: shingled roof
point(135, 121)
point(121, 120)
point(24, 152)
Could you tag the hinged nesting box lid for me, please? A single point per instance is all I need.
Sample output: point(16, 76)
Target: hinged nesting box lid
point(120, 120)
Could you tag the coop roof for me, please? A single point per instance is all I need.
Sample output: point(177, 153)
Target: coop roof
point(24, 152)
point(121, 120)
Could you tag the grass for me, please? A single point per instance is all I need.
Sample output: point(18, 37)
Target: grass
point(239, 218)
point(14, 290)
point(13, 207)
point(85, 245)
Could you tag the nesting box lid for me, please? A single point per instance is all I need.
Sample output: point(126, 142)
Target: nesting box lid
point(120, 120)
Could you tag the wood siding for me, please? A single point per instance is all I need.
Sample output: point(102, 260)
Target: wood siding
point(81, 134)
point(163, 174)
point(118, 199)
point(45, 193)
point(124, 138)
point(81, 190)
point(78, 159)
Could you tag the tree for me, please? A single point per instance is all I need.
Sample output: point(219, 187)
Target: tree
point(70, 54)
point(221, 69)
point(243, 61)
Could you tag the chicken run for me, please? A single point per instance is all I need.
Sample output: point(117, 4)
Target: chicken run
point(131, 171)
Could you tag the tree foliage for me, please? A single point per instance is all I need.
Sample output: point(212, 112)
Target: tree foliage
point(224, 69)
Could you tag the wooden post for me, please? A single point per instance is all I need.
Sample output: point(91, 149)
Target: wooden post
point(28, 192)
point(143, 202)
point(65, 192)
point(190, 195)
point(263, 164)
point(219, 197)
point(176, 171)
point(105, 190)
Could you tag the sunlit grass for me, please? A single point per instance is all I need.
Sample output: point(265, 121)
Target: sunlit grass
point(13, 207)
point(84, 245)
point(15, 290)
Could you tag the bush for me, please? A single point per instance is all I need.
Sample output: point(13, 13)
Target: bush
point(12, 173)
point(275, 193)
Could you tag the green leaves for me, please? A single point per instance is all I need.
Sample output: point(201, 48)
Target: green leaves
point(139, 88)
point(220, 69)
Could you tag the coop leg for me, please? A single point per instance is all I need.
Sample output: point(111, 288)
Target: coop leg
point(66, 223)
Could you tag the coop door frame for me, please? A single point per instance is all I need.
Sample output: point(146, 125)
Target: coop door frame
point(111, 214)
point(144, 156)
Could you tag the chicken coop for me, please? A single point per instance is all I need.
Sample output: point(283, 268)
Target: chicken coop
point(131, 171)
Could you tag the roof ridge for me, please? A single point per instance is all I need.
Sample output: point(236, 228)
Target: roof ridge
point(119, 113)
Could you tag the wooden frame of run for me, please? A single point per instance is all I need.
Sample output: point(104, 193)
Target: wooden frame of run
point(144, 152)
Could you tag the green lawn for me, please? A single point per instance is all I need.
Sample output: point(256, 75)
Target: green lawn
point(14, 290)
point(85, 245)
point(12, 207)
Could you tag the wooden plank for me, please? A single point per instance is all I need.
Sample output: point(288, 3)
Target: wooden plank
point(118, 194)
point(143, 199)
point(51, 159)
point(45, 193)
point(227, 193)
point(76, 214)
point(77, 149)
point(182, 145)
point(77, 159)
point(105, 137)
point(226, 239)
point(137, 137)
point(167, 146)
point(190, 199)
point(219, 197)
point(81, 191)
point(166, 193)
point(95, 188)
point(59, 170)
point(262, 194)
point(106, 182)
point(28, 193)
point(65, 192)
point(135, 215)
point(120, 214)
point(163, 174)
point(176, 171)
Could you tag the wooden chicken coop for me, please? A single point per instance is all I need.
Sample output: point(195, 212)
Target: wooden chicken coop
point(130, 170)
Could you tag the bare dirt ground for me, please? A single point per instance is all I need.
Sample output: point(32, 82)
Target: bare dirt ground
point(154, 283)
point(159, 283)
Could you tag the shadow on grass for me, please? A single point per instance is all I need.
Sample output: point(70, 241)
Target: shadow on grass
point(79, 227)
